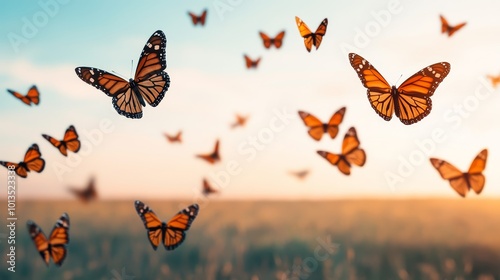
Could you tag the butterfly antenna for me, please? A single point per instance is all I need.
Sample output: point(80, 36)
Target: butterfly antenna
point(399, 78)
point(131, 67)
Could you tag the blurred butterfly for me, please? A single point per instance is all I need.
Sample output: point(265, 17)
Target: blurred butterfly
point(495, 80)
point(173, 233)
point(447, 28)
point(351, 153)
point(174, 138)
point(411, 100)
point(212, 157)
point(311, 39)
point(317, 128)
point(198, 19)
point(150, 81)
point(463, 182)
point(251, 63)
point(301, 175)
point(207, 188)
point(276, 41)
point(33, 96)
point(240, 121)
point(55, 245)
point(70, 141)
point(33, 161)
point(87, 194)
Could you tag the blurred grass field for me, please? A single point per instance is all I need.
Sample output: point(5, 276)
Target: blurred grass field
point(377, 239)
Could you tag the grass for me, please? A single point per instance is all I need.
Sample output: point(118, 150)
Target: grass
point(378, 239)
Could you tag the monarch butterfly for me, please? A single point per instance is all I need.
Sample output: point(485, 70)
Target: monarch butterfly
point(87, 194)
point(174, 138)
point(150, 81)
point(212, 157)
point(311, 39)
point(495, 80)
point(447, 28)
point(463, 182)
point(173, 233)
point(317, 128)
point(301, 175)
point(198, 19)
point(276, 41)
point(207, 188)
point(33, 96)
point(251, 63)
point(351, 153)
point(55, 245)
point(70, 141)
point(33, 161)
point(240, 121)
point(411, 100)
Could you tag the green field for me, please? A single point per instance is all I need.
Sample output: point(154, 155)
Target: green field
point(375, 239)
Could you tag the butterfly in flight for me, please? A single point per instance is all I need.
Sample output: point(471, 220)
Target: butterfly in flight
point(198, 19)
point(311, 39)
point(33, 96)
point(301, 175)
point(87, 194)
point(70, 141)
point(207, 188)
point(495, 80)
point(214, 156)
point(251, 63)
point(173, 233)
point(411, 100)
point(33, 161)
point(276, 41)
point(150, 81)
point(463, 182)
point(351, 153)
point(55, 245)
point(317, 128)
point(174, 138)
point(240, 121)
point(447, 28)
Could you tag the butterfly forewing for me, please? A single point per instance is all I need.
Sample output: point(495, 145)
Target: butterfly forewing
point(153, 57)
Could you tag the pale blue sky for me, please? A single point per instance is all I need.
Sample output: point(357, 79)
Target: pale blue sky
point(210, 84)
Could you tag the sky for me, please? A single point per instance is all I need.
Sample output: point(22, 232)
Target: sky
point(43, 41)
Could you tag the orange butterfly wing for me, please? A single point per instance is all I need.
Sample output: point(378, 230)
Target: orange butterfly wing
point(449, 172)
point(55, 246)
point(412, 102)
point(476, 178)
point(176, 228)
point(334, 122)
point(316, 129)
point(151, 222)
point(266, 40)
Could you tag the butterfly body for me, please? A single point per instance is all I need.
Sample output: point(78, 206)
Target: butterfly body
point(411, 100)
point(148, 85)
